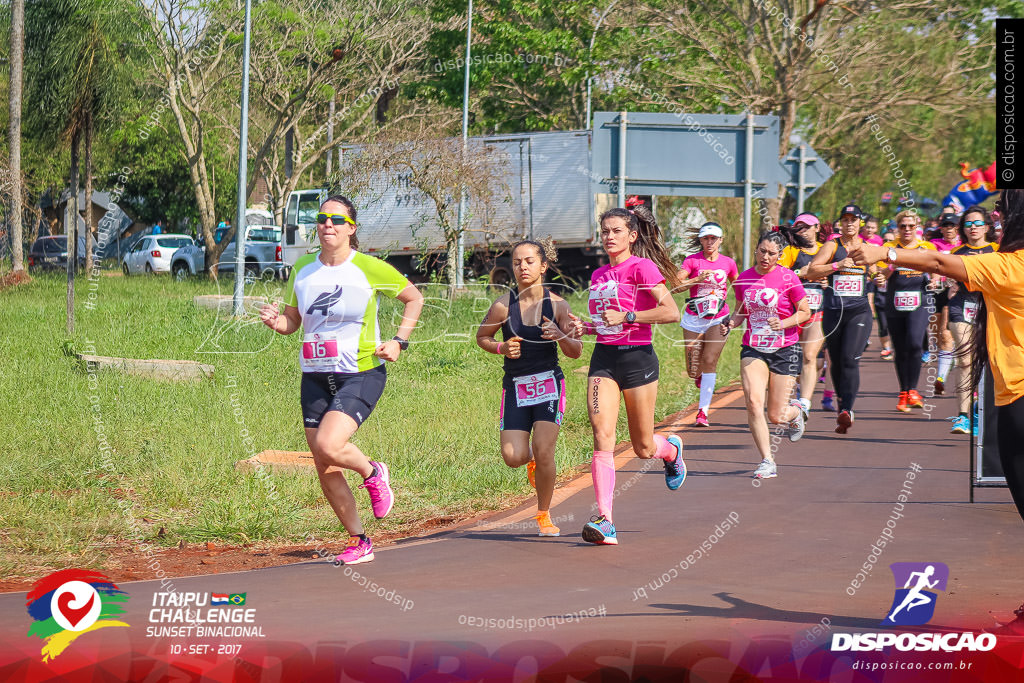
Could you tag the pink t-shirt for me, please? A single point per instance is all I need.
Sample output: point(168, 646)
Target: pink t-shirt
point(944, 246)
point(776, 294)
point(874, 239)
point(712, 293)
point(625, 287)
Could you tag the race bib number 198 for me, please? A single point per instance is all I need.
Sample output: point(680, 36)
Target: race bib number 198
point(906, 301)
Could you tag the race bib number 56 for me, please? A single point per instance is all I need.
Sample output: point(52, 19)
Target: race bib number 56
point(534, 389)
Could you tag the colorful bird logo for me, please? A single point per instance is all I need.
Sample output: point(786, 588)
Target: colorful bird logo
point(70, 603)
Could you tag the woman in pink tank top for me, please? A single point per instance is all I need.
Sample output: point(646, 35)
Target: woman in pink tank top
point(627, 297)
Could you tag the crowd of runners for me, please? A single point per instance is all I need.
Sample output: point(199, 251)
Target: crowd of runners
point(806, 309)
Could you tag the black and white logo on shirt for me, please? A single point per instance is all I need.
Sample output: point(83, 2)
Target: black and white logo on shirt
point(324, 302)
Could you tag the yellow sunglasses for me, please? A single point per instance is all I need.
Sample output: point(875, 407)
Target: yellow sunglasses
point(336, 218)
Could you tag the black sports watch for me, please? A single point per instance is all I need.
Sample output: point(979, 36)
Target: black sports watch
point(402, 343)
point(631, 317)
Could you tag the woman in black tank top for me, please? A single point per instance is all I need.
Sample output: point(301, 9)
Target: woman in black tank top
point(846, 318)
point(534, 324)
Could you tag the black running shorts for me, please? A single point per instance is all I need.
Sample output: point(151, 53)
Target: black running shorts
point(786, 361)
point(513, 416)
point(628, 366)
point(354, 394)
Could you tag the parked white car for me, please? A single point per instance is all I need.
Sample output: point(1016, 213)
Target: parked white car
point(152, 254)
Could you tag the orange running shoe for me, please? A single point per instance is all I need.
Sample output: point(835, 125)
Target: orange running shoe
point(901, 405)
point(546, 528)
point(914, 399)
point(531, 469)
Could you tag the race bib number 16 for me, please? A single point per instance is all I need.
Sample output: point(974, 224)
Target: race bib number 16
point(319, 351)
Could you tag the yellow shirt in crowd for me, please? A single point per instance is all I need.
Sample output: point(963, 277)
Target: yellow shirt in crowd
point(1000, 277)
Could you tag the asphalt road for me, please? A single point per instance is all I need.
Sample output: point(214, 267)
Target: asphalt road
point(767, 591)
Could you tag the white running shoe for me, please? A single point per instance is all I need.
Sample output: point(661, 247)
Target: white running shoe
point(797, 426)
point(766, 470)
point(805, 408)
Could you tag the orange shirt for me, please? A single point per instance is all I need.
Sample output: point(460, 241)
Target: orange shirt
point(1000, 278)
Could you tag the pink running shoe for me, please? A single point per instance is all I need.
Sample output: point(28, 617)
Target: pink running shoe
point(379, 488)
point(357, 551)
point(702, 419)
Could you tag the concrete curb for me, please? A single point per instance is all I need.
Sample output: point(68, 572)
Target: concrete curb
point(175, 370)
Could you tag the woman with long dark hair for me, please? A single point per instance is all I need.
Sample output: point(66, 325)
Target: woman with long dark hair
point(997, 337)
point(627, 297)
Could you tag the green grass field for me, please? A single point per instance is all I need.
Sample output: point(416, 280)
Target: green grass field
point(67, 500)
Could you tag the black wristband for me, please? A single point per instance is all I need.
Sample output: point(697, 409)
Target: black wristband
point(403, 344)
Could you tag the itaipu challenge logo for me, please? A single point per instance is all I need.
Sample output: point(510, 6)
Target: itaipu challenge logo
point(71, 603)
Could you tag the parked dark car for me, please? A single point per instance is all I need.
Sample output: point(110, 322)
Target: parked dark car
point(51, 253)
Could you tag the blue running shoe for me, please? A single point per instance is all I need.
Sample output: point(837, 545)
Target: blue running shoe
point(675, 471)
point(961, 425)
point(926, 357)
point(827, 403)
point(599, 531)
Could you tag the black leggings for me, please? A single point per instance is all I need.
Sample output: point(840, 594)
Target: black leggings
point(1010, 434)
point(846, 333)
point(883, 322)
point(906, 332)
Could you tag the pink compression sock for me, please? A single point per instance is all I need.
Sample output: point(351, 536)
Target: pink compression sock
point(666, 451)
point(602, 471)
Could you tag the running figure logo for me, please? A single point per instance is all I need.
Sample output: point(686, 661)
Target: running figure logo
point(324, 302)
point(914, 603)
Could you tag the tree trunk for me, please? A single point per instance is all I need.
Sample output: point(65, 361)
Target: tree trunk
point(88, 191)
point(453, 262)
point(17, 59)
point(71, 230)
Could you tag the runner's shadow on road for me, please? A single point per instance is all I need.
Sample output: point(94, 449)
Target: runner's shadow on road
point(497, 535)
point(572, 537)
point(810, 436)
point(742, 609)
